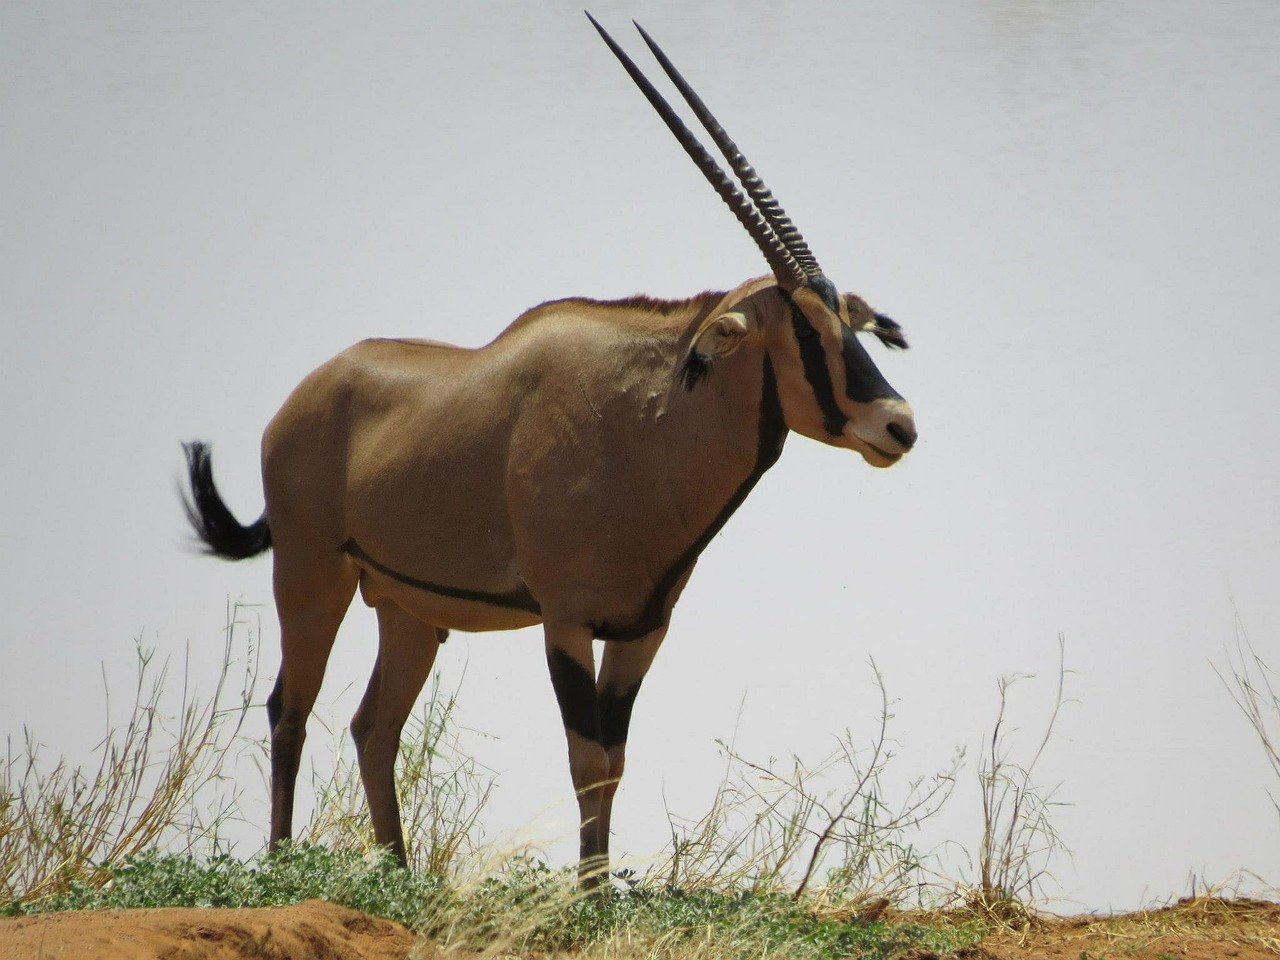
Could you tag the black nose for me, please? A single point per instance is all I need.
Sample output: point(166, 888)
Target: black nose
point(905, 435)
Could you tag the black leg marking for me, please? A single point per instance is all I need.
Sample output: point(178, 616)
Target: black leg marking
point(615, 714)
point(275, 702)
point(576, 693)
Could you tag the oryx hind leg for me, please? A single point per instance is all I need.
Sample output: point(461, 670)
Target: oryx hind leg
point(407, 648)
point(312, 596)
point(622, 670)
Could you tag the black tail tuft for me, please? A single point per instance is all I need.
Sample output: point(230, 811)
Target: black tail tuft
point(220, 532)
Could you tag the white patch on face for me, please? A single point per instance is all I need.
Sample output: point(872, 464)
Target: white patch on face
point(871, 453)
point(868, 431)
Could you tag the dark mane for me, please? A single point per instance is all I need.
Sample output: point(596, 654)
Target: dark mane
point(645, 303)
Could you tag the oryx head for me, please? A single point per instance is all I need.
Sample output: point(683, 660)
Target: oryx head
point(828, 385)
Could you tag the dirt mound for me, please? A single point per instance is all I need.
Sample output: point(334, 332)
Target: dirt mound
point(313, 930)
point(1204, 929)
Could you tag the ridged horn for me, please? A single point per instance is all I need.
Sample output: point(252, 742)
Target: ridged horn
point(761, 195)
point(783, 263)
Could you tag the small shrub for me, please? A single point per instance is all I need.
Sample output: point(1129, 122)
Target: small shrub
point(774, 826)
point(1018, 837)
point(289, 875)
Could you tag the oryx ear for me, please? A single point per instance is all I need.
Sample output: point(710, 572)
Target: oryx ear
point(718, 337)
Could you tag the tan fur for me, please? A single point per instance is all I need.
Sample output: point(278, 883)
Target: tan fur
point(566, 473)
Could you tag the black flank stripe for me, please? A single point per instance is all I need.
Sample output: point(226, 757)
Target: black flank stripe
point(772, 431)
point(576, 693)
point(518, 599)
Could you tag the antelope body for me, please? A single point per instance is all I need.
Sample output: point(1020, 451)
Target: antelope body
point(569, 473)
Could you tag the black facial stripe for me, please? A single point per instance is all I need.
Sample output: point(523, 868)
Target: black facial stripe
point(615, 714)
point(576, 694)
point(518, 599)
point(827, 291)
point(813, 356)
point(771, 432)
point(863, 381)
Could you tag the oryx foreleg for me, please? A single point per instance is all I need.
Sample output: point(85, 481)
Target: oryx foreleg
point(407, 648)
point(622, 670)
point(572, 665)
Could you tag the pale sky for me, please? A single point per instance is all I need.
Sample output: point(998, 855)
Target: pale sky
point(1070, 207)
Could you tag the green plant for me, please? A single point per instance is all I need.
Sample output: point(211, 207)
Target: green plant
point(529, 909)
point(526, 908)
point(374, 884)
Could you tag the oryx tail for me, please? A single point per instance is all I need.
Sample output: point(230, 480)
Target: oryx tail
point(220, 532)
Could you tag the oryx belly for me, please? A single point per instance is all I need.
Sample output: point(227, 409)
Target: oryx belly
point(441, 605)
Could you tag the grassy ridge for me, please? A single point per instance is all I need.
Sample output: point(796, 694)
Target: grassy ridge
point(794, 859)
point(525, 908)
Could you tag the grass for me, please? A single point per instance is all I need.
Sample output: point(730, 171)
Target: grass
point(442, 793)
point(1254, 685)
point(289, 875)
point(1018, 836)
point(158, 782)
point(830, 829)
point(525, 908)
point(794, 858)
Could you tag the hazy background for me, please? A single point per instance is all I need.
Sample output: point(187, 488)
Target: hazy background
point(1072, 207)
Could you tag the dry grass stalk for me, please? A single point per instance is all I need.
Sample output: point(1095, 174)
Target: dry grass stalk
point(61, 826)
point(772, 828)
point(1255, 688)
point(1018, 837)
point(442, 792)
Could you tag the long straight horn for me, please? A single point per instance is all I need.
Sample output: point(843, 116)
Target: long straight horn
point(789, 273)
point(761, 195)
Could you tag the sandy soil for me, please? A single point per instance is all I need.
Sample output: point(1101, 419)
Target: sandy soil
point(1202, 929)
point(314, 930)
point(1199, 930)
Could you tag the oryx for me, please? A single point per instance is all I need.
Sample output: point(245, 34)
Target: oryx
point(569, 473)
